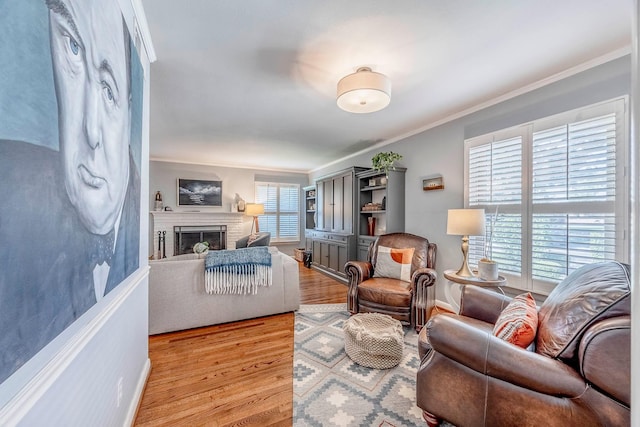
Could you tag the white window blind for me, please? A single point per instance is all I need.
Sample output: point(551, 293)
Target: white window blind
point(574, 190)
point(281, 210)
point(559, 189)
point(494, 174)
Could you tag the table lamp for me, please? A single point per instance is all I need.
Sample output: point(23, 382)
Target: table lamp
point(465, 223)
point(254, 210)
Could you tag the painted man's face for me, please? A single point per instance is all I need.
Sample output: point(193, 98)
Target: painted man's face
point(90, 74)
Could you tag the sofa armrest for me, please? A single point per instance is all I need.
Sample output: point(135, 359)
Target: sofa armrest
point(424, 295)
point(357, 272)
point(486, 354)
point(605, 357)
point(423, 278)
point(263, 239)
point(482, 304)
point(242, 242)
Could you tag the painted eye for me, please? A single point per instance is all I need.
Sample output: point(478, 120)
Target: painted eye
point(107, 91)
point(74, 46)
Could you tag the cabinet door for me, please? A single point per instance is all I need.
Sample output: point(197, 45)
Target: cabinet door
point(324, 254)
point(338, 204)
point(328, 205)
point(317, 253)
point(363, 252)
point(343, 257)
point(334, 257)
point(320, 196)
point(347, 204)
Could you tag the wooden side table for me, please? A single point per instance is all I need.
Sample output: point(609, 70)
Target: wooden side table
point(452, 277)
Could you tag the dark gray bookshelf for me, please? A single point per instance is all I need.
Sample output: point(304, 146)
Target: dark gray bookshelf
point(381, 197)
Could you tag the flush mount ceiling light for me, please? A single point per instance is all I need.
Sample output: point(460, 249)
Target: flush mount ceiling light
point(364, 91)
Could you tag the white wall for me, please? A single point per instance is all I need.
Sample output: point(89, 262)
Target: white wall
point(163, 177)
point(440, 150)
point(74, 380)
point(635, 216)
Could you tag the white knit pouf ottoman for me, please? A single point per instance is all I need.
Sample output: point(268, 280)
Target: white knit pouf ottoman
point(374, 340)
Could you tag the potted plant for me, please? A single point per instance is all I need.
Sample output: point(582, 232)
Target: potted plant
point(201, 247)
point(384, 161)
point(488, 268)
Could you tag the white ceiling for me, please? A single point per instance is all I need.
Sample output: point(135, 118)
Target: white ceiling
point(252, 83)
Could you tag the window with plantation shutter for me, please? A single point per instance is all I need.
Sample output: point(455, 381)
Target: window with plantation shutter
point(559, 190)
point(281, 210)
point(573, 192)
point(495, 179)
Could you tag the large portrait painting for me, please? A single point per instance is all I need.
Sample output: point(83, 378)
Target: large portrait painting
point(71, 87)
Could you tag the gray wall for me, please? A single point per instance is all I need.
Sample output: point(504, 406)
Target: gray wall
point(440, 150)
point(163, 177)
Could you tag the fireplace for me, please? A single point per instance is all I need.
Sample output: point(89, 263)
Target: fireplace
point(163, 223)
point(188, 235)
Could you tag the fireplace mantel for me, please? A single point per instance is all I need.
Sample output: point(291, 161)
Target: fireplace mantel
point(166, 220)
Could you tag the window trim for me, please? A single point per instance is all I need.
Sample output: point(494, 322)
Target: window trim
point(619, 106)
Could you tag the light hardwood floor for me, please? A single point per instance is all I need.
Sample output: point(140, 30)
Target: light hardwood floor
point(235, 374)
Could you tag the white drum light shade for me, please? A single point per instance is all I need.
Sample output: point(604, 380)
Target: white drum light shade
point(465, 222)
point(364, 91)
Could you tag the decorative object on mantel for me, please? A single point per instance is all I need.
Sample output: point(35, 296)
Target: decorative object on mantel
point(158, 202)
point(240, 202)
point(434, 182)
point(488, 268)
point(465, 223)
point(254, 210)
point(384, 161)
point(199, 192)
point(364, 91)
point(201, 247)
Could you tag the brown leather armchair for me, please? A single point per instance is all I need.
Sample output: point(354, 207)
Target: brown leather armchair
point(578, 374)
point(409, 302)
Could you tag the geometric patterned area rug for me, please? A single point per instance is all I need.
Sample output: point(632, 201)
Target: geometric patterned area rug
point(329, 389)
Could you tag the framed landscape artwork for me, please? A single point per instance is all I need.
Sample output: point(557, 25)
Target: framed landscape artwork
point(433, 183)
point(198, 192)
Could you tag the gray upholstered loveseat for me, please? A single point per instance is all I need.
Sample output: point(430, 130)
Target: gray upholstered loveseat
point(177, 297)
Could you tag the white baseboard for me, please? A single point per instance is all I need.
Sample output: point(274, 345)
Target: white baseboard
point(446, 306)
point(139, 392)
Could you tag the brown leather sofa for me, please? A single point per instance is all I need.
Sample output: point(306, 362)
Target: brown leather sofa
point(409, 302)
point(578, 374)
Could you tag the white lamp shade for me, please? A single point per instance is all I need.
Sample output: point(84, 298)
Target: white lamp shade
point(364, 91)
point(254, 209)
point(465, 222)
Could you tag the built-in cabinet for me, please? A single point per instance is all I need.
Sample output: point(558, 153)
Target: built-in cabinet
point(380, 206)
point(335, 202)
point(330, 251)
point(310, 207)
point(333, 241)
